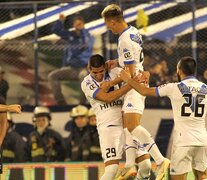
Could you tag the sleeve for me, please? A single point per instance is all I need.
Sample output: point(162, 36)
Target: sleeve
point(90, 88)
point(87, 39)
point(126, 52)
point(131, 49)
point(60, 147)
point(28, 149)
point(165, 90)
point(59, 29)
point(19, 148)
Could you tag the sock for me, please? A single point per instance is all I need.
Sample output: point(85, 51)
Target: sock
point(110, 172)
point(146, 139)
point(144, 169)
point(130, 149)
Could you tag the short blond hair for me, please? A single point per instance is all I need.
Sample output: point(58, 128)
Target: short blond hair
point(113, 11)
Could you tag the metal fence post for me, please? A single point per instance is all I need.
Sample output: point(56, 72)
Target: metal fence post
point(194, 34)
point(35, 47)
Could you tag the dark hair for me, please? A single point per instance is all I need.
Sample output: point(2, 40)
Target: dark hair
point(96, 61)
point(113, 11)
point(187, 65)
point(78, 17)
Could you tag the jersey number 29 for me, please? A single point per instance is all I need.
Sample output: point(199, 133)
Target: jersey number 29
point(110, 152)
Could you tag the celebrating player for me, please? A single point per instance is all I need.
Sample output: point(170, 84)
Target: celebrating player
point(130, 54)
point(189, 101)
point(107, 107)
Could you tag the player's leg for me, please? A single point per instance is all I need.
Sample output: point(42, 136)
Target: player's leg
point(3, 129)
point(133, 108)
point(199, 162)
point(111, 168)
point(179, 177)
point(112, 141)
point(180, 162)
point(143, 162)
point(130, 149)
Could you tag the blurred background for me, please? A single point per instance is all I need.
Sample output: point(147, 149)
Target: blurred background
point(30, 50)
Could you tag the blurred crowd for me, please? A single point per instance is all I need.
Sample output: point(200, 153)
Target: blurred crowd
point(44, 144)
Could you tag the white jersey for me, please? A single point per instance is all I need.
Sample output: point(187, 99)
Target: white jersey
point(189, 104)
point(130, 48)
point(106, 113)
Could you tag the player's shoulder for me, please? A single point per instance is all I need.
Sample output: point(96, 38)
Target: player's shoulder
point(89, 83)
point(173, 84)
point(87, 80)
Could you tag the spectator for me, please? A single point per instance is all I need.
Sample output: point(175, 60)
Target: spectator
point(78, 142)
point(4, 87)
point(95, 150)
point(13, 145)
point(78, 49)
point(44, 144)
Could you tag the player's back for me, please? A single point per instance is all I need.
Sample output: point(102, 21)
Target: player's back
point(189, 103)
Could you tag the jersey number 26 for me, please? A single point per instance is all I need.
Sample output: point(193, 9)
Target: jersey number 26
point(194, 103)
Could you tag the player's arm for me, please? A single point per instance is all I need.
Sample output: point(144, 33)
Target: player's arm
point(131, 69)
point(101, 95)
point(16, 108)
point(110, 64)
point(141, 88)
point(3, 126)
point(106, 85)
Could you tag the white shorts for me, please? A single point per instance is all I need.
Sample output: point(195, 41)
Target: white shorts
point(184, 159)
point(112, 140)
point(133, 102)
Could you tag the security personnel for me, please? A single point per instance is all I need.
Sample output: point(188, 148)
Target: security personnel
point(44, 144)
point(13, 145)
point(78, 142)
point(95, 150)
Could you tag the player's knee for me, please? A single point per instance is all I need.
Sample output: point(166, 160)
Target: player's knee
point(144, 169)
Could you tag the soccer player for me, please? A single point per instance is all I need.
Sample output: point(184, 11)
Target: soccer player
point(130, 54)
point(189, 101)
point(107, 107)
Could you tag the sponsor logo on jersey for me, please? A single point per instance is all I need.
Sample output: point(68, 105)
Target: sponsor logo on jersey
point(125, 50)
point(129, 105)
point(127, 55)
point(88, 83)
point(92, 86)
point(112, 104)
point(136, 38)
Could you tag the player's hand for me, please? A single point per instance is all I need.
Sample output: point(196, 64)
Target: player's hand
point(142, 77)
point(62, 17)
point(125, 75)
point(105, 86)
point(16, 108)
point(110, 64)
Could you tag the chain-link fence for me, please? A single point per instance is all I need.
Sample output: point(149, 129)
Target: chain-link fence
point(36, 38)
